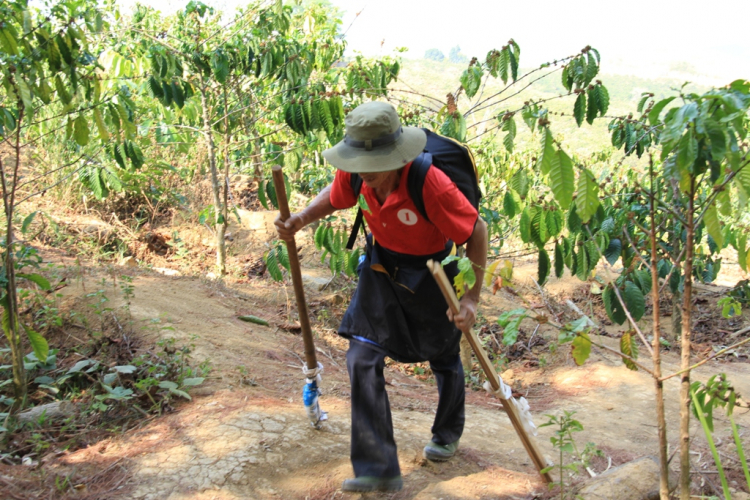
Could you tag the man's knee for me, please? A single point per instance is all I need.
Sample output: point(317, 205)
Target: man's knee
point(450, 363)
point(361, 357)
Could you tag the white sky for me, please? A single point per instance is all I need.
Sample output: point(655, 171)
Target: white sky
point(647, 38)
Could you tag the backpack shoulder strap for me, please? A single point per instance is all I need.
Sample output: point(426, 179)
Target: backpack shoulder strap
point(356, 184)
point(415, 181)
point(355, 181)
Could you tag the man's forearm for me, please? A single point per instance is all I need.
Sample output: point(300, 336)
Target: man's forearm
point(476, 251)
point(318, 208)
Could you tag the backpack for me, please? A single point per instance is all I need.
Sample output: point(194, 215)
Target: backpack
point(450, 156)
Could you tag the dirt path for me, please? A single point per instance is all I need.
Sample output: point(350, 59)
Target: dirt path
point(245, 434)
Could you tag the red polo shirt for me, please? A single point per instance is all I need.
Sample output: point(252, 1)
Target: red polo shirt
point(397, 224)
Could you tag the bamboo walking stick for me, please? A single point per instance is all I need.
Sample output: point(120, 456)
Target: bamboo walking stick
point(312, 369)
point(509, 405)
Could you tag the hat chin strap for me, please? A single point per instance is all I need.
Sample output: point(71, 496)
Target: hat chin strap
point(368, 144)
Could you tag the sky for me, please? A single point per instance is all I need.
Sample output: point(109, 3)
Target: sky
point(707, 41)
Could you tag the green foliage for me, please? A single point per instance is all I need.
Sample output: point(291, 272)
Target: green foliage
point(718, 393)
point(332, 242)
point(466, 277)
point(510, 321)
point(565, 443)
point(277, 259)
point(581, 348)
point(629, 347)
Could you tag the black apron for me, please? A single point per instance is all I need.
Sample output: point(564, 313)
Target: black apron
point(399, 306)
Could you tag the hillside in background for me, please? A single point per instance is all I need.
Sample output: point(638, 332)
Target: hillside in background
point(436, 79)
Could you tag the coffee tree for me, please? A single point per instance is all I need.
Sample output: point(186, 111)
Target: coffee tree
point(664, 222)
point(51, 87)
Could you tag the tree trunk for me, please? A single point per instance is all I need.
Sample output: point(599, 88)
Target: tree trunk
point(225, 180)
point(676, 317)
point(659, 385)
point(687, 295)
point(13, 332)
point(221, 251)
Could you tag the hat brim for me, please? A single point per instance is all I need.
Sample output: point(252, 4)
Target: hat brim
point(381, 159)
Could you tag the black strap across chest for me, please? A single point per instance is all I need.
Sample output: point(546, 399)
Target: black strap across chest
point(415, 184)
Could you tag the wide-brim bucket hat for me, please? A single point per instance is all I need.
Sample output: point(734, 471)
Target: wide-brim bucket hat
point(375, 141)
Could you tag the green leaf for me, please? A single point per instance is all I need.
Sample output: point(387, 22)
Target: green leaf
point(581, 349)
point(513, 64)
point(574, 221)
point(362, 203)
point(713, 226)
point(282, 253)
point(554, 222)
point(319, 234)
point(272, 264)
point(79, 366)
point(593, 104)
point(524, 225)
point(643, 280)
point(103, 132)
point(503, 63)
point(613, 251)
point(466, 268)
point(567, 77)
point(592, 68)
point(583, 263)
point(38, 279)
point(634, 300)
point(587, 196)
point(579, 108)
point(629, 347)
point(520, 183)
point(220, 66)
point(612, 306)
point(26, 95)
point(741, 247)
point(653, 115)
point(8, 38)
point(81, 131)
point(687, 152)
point(65, 50)
point(630, 138)
point(262, 194)
point(353, 262)
point(509, 205)
point(471, 80)
point(548, 155)
point(602, 95)
point(559, 261)
point(509, 126)
point(544, 267)
point(192, 381)
point(27, 222)
point(178, 95)
point(454, 127)
point(539, 231)
point(562, 179)
point(645, 97)
point(38, 343)
point(271, 194)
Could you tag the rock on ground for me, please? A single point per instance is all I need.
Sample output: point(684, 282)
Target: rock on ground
point(636, 480)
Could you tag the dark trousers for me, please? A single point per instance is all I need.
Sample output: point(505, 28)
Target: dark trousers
point(373, 449)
